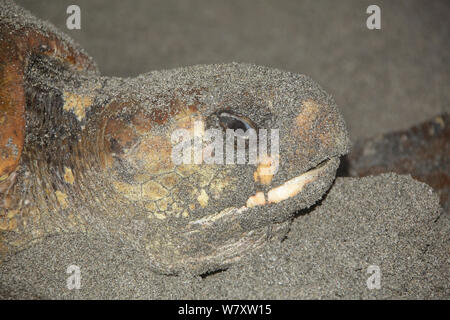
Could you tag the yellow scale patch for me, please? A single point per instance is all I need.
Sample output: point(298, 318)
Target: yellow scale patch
point(68, 175)
point(62, 199)
point(77, 104)
point(203, 198)
point(8, 222)
point(153, 191)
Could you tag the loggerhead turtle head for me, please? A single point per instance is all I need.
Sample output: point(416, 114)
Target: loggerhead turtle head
point(219, 158)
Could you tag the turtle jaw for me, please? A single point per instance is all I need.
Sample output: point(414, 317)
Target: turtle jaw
point(292, 187)
point(216, 241)
point(280, 202)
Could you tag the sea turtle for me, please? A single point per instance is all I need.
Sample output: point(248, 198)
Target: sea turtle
point(88, 154)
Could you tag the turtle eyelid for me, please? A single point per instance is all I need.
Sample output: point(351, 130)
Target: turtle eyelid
point(228, 120)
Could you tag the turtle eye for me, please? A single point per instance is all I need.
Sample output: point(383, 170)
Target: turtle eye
point(231, 121)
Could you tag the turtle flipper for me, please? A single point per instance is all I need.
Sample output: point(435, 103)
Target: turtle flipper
point(23, 36)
